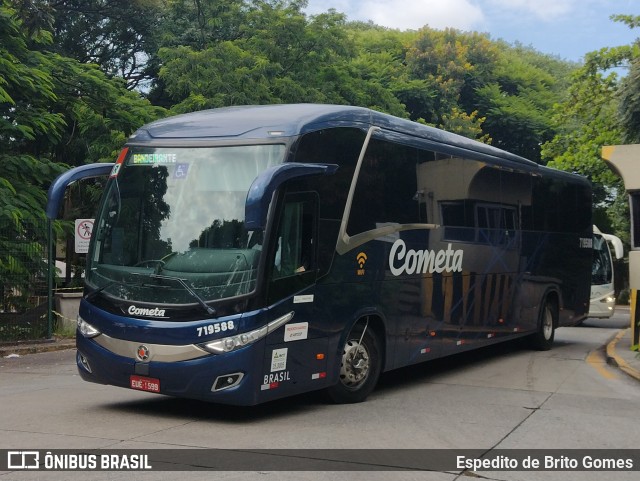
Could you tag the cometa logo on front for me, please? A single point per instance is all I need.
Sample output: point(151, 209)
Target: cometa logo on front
point(402, 261)
point(141, 311)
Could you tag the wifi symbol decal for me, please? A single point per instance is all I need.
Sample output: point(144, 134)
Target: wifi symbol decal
point(362, 259)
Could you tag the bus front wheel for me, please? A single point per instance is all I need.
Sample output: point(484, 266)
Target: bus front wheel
point(360, 367)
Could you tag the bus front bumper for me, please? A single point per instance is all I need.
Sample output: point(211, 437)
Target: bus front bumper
point(225, 379)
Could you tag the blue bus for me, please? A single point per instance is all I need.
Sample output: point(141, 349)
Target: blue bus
point(245, 254)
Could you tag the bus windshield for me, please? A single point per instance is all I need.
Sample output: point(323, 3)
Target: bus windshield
point(171, 226)
point(601, 271)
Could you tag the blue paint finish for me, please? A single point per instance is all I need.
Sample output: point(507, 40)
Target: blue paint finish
point(163, 332)
point(266, 122)
point(188, 379)
point(263, 187)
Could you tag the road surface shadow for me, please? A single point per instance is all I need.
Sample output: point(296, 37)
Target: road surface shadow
point(404, 378)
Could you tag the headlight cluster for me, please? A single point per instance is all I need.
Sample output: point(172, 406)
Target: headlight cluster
point(86, 329)
point(231, 343)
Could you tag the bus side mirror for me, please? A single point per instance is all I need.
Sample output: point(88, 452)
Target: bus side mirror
point(59, 185)
point(264, 186)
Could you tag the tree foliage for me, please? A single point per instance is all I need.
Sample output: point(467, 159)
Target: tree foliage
point(119, 36)
point(600, 109)
point(54, 111)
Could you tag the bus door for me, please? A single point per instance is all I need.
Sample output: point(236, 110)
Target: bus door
point(296, 355)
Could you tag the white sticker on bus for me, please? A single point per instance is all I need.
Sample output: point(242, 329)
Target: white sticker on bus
point(303, 299)
point(402, 261)
point(279, 359)
point(296, 332)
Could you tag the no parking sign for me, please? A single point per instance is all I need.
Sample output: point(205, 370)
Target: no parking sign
point(84, 228)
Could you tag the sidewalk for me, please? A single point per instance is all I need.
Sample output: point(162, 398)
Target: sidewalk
point(32, 347)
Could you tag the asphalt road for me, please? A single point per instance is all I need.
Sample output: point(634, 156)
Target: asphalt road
point(504, 397)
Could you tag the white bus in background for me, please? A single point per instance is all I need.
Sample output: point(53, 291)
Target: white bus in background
point(603, 301)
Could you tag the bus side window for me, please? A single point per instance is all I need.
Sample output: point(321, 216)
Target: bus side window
point(295, 252)
point(294, 265)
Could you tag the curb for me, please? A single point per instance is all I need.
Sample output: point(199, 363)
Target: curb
point(46, 346)
point(614, 359)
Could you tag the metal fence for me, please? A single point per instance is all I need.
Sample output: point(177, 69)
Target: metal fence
point(27, 310)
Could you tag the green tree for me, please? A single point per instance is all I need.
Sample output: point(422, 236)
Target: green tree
point(599, 110)
point(630, 86)
point(452, 65)
point(278, 55)
point(54, 112)
point(119, 36)
point(518, 101)
point(26, 91)
point(507, 91)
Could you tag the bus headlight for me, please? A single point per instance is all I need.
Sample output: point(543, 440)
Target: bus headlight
point(232, 343)
point(86, 329)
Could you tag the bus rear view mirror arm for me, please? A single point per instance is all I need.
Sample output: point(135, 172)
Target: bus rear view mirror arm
point(263, 187)
point(59, 185)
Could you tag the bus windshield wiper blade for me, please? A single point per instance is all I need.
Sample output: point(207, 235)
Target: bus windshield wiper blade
point(210, 310)
point(93, 294)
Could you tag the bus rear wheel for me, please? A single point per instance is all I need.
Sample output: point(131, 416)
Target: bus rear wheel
point(542, 340)
point(360, 367)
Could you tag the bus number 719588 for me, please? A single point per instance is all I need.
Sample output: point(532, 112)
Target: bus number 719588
point(215, 328)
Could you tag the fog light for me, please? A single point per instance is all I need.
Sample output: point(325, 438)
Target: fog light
point(84, 362)
point(227, 381)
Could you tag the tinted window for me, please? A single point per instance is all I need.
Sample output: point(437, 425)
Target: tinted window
point(295, 250)
point(331, 146)
point(458, 220)
point(294, 259)
point(387, 190)
point(601, 272)
point(559, 206)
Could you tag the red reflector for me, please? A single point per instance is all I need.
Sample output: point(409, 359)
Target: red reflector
point(273, 385)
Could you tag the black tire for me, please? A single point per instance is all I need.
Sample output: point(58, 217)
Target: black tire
point(357, 379)
point(542, 340)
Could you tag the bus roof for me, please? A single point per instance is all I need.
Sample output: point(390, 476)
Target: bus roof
point(286, 120)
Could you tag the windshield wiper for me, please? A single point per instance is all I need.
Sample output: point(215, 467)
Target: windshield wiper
point(93, 294)
point(210, 310)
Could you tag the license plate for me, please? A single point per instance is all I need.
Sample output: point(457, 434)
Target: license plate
point(144, 383)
